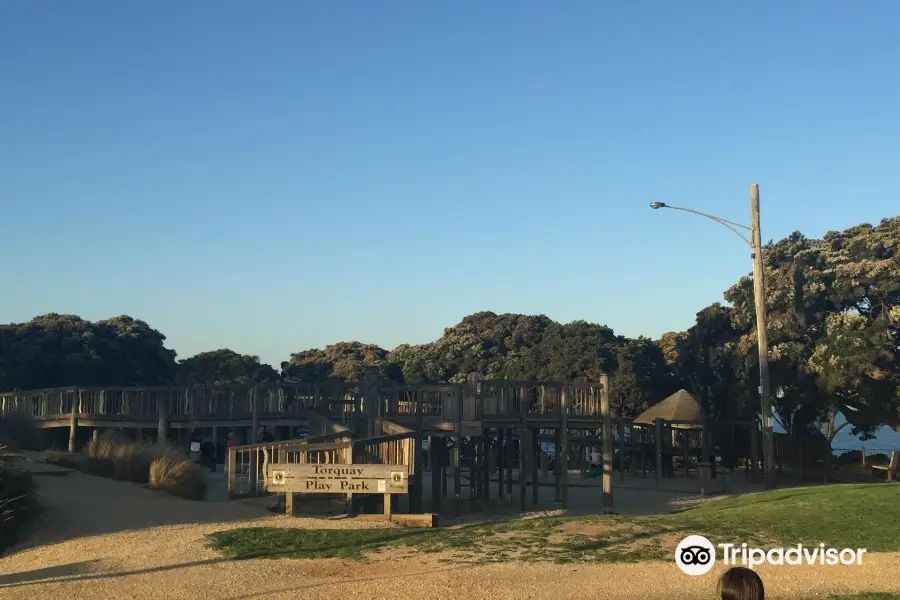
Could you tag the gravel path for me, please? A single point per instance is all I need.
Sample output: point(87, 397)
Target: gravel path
point(102, 538)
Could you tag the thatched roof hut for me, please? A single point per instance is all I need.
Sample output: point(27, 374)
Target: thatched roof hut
point(680, 406)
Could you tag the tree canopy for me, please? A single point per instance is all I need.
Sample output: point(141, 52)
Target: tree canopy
point(833, 308)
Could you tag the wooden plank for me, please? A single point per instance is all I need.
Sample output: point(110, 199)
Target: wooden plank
point(338, 479)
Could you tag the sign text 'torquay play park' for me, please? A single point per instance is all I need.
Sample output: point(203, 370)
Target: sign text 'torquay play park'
point(338, 479)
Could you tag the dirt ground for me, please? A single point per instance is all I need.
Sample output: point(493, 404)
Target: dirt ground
point(101, 538)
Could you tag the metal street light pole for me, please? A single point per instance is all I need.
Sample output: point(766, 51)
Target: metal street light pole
point(759, 295)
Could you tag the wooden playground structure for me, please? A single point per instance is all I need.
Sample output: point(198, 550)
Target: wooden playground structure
point(481, 436)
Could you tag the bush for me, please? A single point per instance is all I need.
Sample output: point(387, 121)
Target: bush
point(172, 472)
point(114, 456)
point(18, 499)
point(18, 431)
point(160, 467)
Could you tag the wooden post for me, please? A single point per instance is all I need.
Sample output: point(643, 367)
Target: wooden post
point(622, 450)
point(73, 423)
point(500, 442)
point(254, 414)
point(535, 461)
point(473, 471)
point(434, 455)
point(387, 507)
point(371, 407)
point(557, 474)
point(231, 469)
point(759, 296)
point(457, 447)
point(523, 433)
point(754, 455)
point(509, 464)
point(659, 451)
point(486, 471)
point(607, 443)
point(415, 498)
point(564, 444)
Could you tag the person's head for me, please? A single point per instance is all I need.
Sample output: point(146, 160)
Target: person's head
point(739, 583)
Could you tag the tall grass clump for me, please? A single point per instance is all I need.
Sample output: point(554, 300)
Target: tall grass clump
point(18, 499)
point(158, 466)
point(172, 472)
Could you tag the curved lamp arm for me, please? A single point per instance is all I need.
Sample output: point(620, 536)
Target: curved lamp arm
point(729, 224)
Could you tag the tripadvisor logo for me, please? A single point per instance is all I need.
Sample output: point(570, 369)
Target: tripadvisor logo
point(696, 555)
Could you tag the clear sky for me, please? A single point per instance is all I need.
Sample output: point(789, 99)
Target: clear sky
point(274, 176)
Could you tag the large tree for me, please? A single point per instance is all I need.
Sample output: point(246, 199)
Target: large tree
point(223, 367)
point(55, 350)
point(345, 360)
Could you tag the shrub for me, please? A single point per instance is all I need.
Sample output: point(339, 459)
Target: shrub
point(63, 459)
point(18, 499)
point(18, 431)
point(112, 455)
point(131, 462)
point(172, 472)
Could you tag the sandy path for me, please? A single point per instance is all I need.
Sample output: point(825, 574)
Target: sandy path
point(122, 541)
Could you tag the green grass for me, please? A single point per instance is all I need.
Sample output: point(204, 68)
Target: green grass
point(854, 516)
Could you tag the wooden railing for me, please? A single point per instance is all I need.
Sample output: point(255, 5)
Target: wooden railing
point(336, 399)
point(342, 402)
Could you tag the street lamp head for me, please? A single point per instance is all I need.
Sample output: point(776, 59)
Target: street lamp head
point(655, 205)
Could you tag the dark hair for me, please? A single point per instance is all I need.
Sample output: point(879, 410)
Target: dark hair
point(739, 583)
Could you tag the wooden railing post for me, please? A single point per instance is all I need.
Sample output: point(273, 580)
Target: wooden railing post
point(371, 408)
point(231, 471)
point(162, 411)
point(607, 444)
point(73, 423)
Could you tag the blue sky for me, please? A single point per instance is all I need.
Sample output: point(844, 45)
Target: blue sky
point(275, 176)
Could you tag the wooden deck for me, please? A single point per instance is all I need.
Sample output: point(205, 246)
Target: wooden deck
point(505, 422)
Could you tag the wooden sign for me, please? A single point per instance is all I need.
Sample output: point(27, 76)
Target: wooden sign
point(338, 479)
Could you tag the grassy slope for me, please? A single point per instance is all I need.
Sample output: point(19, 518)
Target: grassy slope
point(856, 516)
